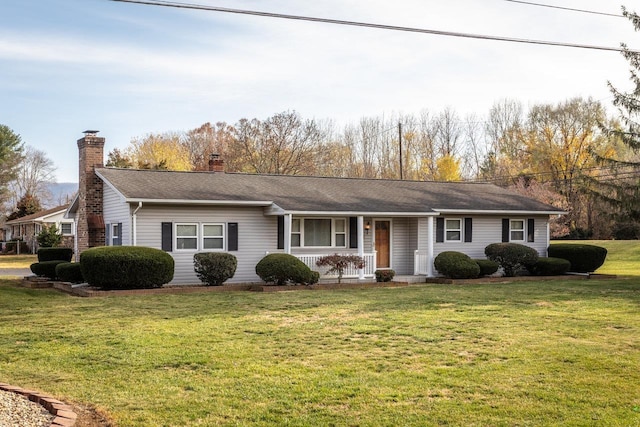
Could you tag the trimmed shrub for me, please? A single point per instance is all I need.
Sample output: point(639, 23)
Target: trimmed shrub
point(69, 272)
point(626, 231)
point(214, 268)
point(384, 275)
point(456, 265)
point(283, 268)
point(339, 263)
point(313, 278)
point(511, 256)
point(126, 267)
point(46, 269)
point(583, 258)
point(55, 254)
point(549, 266)
point(487, 267)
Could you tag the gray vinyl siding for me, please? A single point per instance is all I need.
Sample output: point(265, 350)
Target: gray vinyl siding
point(117, 211)
point(404, 235)
point(487, 230)
point(257, 235)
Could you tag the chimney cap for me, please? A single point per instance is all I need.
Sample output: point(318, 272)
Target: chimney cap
point(91, 132)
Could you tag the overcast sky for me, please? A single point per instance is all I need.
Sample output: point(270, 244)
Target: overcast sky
point(128, 69)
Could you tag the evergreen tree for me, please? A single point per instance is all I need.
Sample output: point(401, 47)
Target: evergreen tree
point(10, 157)
point(27, 205)
point(620, 186)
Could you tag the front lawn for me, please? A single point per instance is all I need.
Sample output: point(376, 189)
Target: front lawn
point(526, 353)
point(17, 261)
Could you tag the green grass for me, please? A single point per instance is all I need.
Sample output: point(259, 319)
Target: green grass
point(17, 261)
point(623, 257)
point(526, 354)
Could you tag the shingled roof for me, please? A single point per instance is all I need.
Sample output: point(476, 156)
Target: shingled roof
point(317, 194)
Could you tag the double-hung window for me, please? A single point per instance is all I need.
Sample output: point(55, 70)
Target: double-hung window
point(296, 232)
point(213, 236)
point(113, 234)
point(66, 228)
point(205, 237)
point(319, 232)
point(453, 230)
point(516, 230)
point(187, 236)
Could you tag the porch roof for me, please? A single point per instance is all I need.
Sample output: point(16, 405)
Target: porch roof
point(39, 216)
point(314, 194)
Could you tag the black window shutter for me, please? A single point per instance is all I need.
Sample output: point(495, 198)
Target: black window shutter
point(505, 229)
point(119, 235)
point(439, 230)
point(232, 236)
point(167, 236)
point(468, 229)
point(281, 232)
point(353, 232)
point(531, 228)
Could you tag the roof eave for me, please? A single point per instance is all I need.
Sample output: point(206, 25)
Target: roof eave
point(500, 212)
point(257, 203)
point(361, 213)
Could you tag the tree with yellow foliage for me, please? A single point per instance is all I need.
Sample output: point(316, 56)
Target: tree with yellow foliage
point(448, 169)
point(159, 151)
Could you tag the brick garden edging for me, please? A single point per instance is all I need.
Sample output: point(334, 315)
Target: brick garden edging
point(63, 413)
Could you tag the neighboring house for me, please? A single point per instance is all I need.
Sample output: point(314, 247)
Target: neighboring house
point(394, 224)
point(28, 227)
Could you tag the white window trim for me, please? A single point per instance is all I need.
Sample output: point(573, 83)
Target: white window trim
point(298, 233)
point(112, 236)
point(176, 237)
point(333, 233)
point(446, 239)
point(203, 237)
point(524, 230)
point(70, 226)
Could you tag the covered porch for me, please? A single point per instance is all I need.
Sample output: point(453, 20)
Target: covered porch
point(402, 242)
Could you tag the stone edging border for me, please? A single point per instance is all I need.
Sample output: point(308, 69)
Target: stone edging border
point(63, 413)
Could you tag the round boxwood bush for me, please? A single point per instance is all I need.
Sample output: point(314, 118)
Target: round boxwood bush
point(549, 266)
point(511, 256)
point(126, 267)
point(384, 275)
point(46, 269)
point(456, 265)
point(283, 268)
point(214, 268)
point(69, 272)
point(487, 267)
point(55, 254)
point(583, 258)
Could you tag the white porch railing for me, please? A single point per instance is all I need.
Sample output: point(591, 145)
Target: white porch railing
point(369, 265)
point(421, 262)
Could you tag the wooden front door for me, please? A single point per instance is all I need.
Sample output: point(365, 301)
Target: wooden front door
point(383, 244)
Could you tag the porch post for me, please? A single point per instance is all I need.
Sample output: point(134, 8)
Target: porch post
point(287, 234)
point(361, 244)
point(430, 246)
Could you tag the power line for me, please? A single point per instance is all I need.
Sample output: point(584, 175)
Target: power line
point(565, 8)
point(369, 25)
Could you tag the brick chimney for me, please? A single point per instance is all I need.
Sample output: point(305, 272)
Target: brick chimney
point(90, 223)
point(216, 164)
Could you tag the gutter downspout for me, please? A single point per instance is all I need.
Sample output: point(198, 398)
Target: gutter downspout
point(134, 225)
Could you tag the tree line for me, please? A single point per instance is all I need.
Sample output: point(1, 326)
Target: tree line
point(550, 152)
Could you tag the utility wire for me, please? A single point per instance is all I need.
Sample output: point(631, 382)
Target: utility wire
point(369, 25)
point(565, 8)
